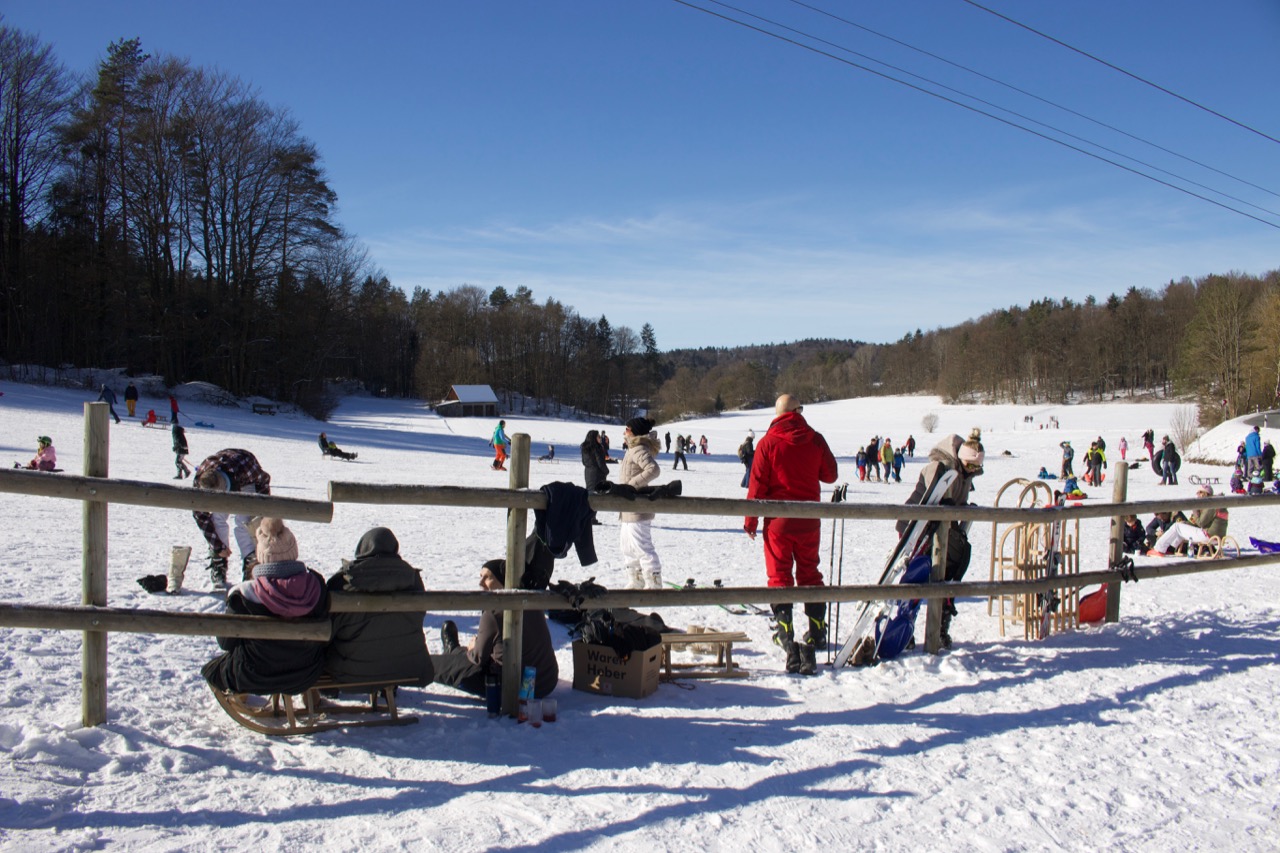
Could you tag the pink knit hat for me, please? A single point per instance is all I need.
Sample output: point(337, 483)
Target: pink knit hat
point(276, 542)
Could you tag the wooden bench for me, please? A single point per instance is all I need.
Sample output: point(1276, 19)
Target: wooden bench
point(278, 716)
point(723, 667)
point(264, 409)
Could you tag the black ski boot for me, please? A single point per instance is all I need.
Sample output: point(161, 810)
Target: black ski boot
point(816, 611)
point(784, 635)
point(218, 571)
point(948, 610)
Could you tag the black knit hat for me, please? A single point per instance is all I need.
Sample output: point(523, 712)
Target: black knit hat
point(640, 426)
point(497, 568)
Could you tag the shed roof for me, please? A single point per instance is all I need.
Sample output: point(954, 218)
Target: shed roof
point(472, 394)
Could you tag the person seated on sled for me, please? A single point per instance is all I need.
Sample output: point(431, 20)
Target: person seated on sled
point(1205, 523)
point(328, 448)
point(282, 587)
point(1071, 488)
point(549, 455)
point(46, 458)
point(371, 646)
point(1135, 536)
point(466, 667)
point(150, 419)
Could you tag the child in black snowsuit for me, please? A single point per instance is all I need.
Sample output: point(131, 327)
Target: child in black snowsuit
point(180, 451)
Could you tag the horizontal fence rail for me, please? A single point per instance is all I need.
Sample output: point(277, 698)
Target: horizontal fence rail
point(136, 493)
point(141, 621)
point(372, 493)
point(130, 620)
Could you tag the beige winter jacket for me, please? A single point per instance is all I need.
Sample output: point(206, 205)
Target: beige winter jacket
point(639, 469)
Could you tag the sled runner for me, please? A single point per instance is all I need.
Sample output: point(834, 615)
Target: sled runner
point(278, 716)
point(724, 666)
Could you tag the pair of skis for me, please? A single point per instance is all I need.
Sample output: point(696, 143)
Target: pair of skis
point(914, 538)
point(1049, 599)
point(735, 609)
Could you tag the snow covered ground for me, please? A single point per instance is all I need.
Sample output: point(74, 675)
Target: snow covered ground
point(1151, 734)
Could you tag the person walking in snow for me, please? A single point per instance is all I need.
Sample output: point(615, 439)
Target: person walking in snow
point(230, 470)
point(873, 458)
point(106, 395)
point(792, 461)
point(501, 446)
point(1123, 447)
point(635, 535)
point(886, 458)
point(746, 453)
point(1149, 443)
point(911, 445)
point(681, 446)
point(180, 451)
point(173, 409)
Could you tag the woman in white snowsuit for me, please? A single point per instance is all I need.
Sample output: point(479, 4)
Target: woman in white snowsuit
point(639, 469)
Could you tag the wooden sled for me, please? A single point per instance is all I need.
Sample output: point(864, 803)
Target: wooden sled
point(722, 643)
point(1224, 548)
point(278, 716)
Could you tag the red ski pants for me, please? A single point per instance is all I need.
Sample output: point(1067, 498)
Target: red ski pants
point(792, 543)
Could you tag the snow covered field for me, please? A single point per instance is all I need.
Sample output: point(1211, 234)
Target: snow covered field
point(1155, 733)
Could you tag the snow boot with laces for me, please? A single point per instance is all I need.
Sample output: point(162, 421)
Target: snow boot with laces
point(785, 637)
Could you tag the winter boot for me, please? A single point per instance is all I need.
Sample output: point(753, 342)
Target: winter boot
point(785, 637)
point(449, 636)
point(816, 611)
point(808, 658)
point(948, 610)
point(218, 571)
point(247, 567)
point(177, 568)
point(653, 580)
point(637, 578)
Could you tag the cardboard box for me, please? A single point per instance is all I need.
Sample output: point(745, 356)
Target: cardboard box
point(597, 669)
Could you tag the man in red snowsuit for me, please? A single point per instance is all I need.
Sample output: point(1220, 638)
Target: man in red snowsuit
point(790, 462)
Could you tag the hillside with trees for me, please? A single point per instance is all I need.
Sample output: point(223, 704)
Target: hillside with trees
point(161, 217)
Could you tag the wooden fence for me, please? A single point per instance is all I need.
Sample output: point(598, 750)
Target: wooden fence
point(97, 491)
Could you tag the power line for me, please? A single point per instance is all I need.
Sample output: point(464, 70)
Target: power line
point(965, 106)
point(1034, 96)
point(1101, 61)
point(994, 106)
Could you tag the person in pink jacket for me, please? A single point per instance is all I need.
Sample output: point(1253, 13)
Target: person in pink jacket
point(46, 458)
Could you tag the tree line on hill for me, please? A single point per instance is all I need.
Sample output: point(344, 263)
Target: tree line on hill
point(162, 217)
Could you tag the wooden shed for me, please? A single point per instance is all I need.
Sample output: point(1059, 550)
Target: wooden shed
point(469, 401)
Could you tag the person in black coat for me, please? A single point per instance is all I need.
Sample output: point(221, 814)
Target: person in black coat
point(282, 587)
point(378, 646)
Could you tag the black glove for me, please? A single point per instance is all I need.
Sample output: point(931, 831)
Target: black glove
point(622, 490)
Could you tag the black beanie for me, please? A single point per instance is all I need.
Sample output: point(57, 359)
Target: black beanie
point(639, 426)
point(498, 568)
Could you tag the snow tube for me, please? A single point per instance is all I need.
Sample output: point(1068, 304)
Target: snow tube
point(1157, 459)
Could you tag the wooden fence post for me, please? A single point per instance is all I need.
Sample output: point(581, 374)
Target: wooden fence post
point(1119, 494)
point(938, 573)
point(97, 439)
point(513, 620)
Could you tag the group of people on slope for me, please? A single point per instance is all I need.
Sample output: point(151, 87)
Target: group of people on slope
point(363, 647)
point(881, 454)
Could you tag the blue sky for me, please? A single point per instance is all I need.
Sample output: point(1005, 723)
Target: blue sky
point(649, 162)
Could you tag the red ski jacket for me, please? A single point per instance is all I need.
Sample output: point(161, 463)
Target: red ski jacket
point(790, 462)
